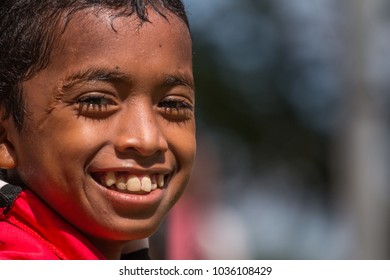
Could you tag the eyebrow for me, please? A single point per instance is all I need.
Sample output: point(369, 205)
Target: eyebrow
point(179, 79)
point(94, 74)
point(115, 76)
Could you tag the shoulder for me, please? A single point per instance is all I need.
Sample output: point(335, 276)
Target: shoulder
point(30, 229)
point(17, 240)
point(18, 244)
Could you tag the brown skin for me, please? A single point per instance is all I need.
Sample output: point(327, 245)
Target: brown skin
point(100, 105)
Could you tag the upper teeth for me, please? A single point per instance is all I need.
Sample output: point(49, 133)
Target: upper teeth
point(133, 183)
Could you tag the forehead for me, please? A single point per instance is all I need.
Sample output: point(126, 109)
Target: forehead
point(96, 35)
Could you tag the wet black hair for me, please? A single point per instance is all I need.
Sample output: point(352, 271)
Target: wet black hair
point(29, 28)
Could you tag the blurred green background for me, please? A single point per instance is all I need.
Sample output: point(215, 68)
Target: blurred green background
point(292, 132)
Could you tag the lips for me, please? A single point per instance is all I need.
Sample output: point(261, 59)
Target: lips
point(127, 182)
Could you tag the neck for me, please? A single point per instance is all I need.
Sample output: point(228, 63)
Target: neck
point(114, 250)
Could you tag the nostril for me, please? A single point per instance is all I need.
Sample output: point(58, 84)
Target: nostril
point(142, 146)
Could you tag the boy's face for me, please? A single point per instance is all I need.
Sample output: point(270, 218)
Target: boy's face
point(112, 111)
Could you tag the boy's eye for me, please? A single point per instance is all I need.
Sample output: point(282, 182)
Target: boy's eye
point(94, 103)
point(177, 109)
point(98, 100)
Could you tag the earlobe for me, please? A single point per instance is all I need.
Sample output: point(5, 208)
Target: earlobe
point(7, 160)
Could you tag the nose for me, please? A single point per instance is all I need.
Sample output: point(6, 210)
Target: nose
point(140, 133)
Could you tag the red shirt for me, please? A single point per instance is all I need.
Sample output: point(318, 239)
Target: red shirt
point(30, 229)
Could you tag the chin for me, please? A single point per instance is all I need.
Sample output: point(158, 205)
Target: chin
point(128, 229)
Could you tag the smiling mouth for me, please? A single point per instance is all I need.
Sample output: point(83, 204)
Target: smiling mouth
point(125, 182)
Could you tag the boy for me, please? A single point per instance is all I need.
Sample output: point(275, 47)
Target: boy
point(97, 134)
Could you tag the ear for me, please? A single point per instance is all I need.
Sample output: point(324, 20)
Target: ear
point(7, 155)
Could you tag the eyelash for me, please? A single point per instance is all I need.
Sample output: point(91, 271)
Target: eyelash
point(176, 105)
point(94, 102)
point(177, 109)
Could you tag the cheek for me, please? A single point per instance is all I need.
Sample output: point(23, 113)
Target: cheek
point(183, 145)
point(57, 147)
